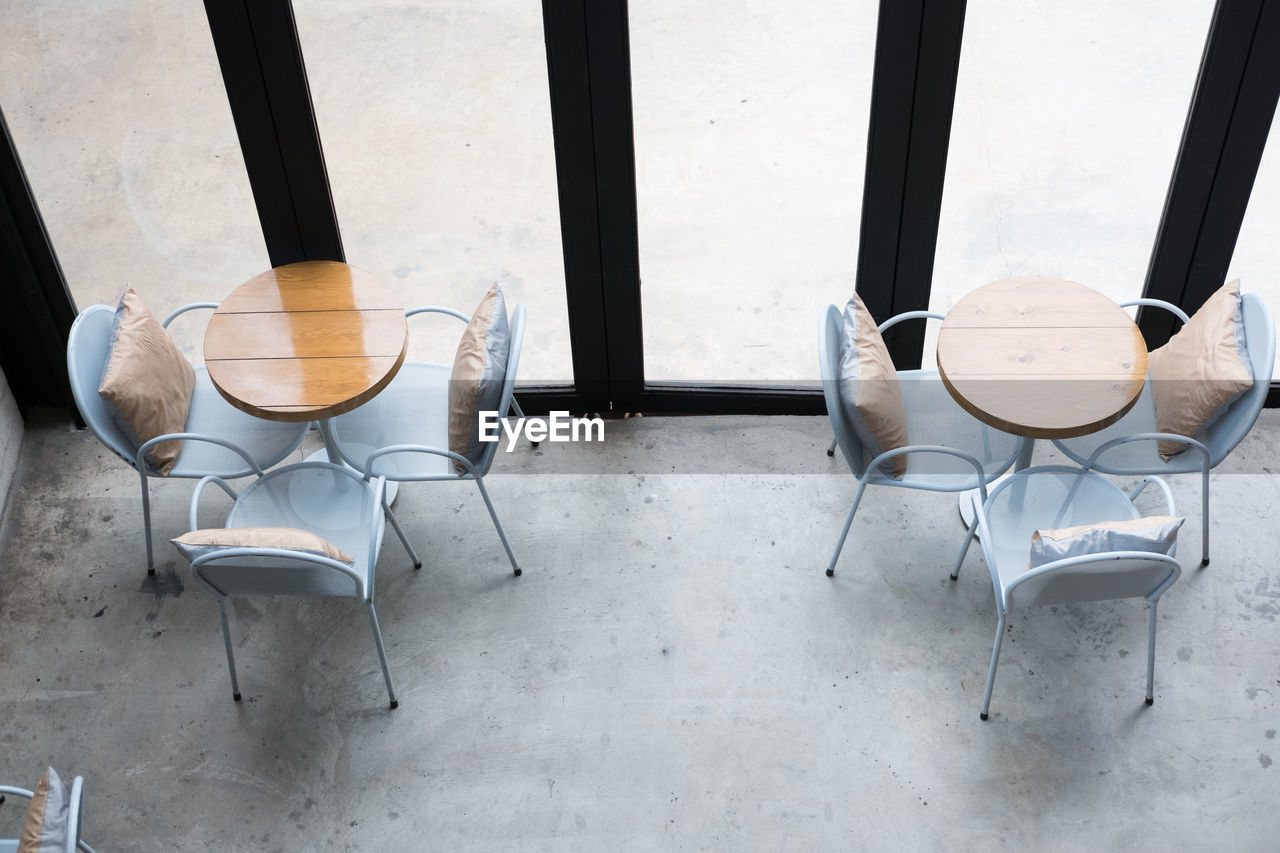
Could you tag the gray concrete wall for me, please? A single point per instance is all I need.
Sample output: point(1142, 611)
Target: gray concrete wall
point(11, 429)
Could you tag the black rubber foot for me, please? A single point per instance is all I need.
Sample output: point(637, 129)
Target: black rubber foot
point(417, 566)
point(534, 443)
point(831, 573)
point(395, 704)
point(518, 572)
point(831, 453)
point(1151, 701)
point(1204, 562)
point(151, 572)
point(235, 696)
point(982, 716)
point(955, 577)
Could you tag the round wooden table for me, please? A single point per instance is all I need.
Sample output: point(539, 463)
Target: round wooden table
point(1040, 357)
point(305, 341)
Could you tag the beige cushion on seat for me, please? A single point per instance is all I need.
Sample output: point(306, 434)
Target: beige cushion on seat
point(479, 370)
point(199, 542)
point(45, 826)
point(147, 380)
point(1201, 369)
point(1158, 534)
point(869, 388)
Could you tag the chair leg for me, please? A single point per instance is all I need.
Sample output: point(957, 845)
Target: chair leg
point(146, 521)
point(382, 656)
point(515, 404)
point(502, 534)
point(991, 673)
point(844, 533)
point(226, 641)
point(831, 451)
point(1151, 652)
point(395, 525)
point(964, 549)
point(1204, 523)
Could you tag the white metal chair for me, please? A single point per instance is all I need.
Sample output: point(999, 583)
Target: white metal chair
point(74, 817)
point(218, 438)
point(1055, 496)
point(403, 433)
point(332, 501)
point(1128, 447)
point(951, 451)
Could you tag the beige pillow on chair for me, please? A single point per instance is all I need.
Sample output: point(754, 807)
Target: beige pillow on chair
point(479, 371)
point(1157, 534)
point(1201, 369)
point(869, 389)
point(148, 380)
point(199, 542)
point(45, 826)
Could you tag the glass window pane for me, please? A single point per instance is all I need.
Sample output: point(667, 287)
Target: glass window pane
point(1256, 261)
point(1067, 123)
point(750, 135)
point(436, 124)
point(122, 123)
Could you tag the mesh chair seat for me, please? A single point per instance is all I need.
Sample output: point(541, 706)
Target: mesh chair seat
point(412, 409)
point(268, 442)
point(934, 417)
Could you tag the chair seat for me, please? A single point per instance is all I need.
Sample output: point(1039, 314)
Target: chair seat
point(412, 409)
point(1135, 457)
point(331, 505)
point(934, 417)
point(268, 442)
point(1046, 498)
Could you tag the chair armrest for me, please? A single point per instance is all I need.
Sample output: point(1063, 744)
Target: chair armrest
point(1158, 303)
point(194, 436)
point(1149, 436)
point(184, 309)
point(909, 315)
point(874, 464)
point(1164, 487)
point(422, 448)
point(436, 309)
point(192, 514)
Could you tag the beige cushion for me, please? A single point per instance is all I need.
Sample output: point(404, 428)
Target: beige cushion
point(148, 381)
point(1157, 534)
point(45, 828)
point(869, 389)
point(199, 542)
point(1201, 369)
point(479, 369)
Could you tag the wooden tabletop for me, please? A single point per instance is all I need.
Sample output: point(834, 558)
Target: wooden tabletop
point(305, 341)
point(1042, 357)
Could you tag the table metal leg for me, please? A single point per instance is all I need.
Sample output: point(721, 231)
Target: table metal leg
point(330, 454)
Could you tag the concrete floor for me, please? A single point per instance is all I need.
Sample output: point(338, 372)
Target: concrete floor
point(673, 670)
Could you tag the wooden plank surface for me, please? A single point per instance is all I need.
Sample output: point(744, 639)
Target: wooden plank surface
point(311, 286)
point(293, 389)
point(311, 334)
point(1042, 357)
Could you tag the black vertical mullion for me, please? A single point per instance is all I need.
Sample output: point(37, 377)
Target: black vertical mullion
point(1226, 130)
point(609, 61)
point(40, 310)
point(913, 95)
point(568, 77)
point(261, 60)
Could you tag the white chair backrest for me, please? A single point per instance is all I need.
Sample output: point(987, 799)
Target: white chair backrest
point(830, 334)
point(1260, 338)
point(509, 381)
point(87, 346)
point(1096, 577)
